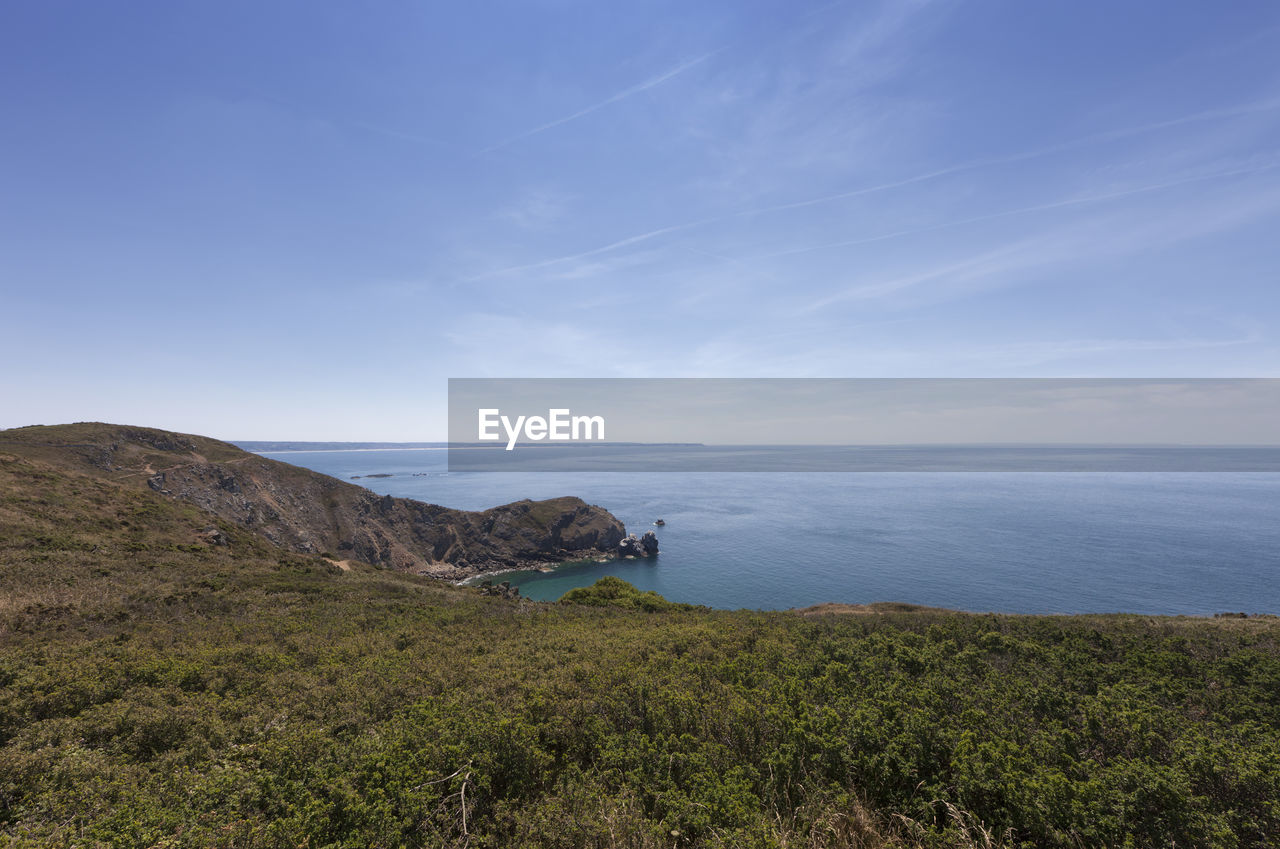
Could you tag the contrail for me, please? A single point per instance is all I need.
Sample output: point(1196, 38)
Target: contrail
point(621, 243)
point(622, 95)
point(1042, 207)
point(1245, 109)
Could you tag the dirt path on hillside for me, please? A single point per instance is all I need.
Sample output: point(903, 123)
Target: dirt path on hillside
point(149, 471)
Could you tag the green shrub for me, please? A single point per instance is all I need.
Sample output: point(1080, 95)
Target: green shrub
point(611, 591)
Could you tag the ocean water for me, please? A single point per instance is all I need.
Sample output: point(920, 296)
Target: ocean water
point(1019, 542)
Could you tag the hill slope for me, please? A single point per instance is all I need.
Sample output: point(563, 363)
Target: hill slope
point(308, 512)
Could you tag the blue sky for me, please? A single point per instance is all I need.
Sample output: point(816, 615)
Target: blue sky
point(297, 220)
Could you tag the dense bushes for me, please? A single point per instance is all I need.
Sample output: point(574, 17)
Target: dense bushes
point(563, 725)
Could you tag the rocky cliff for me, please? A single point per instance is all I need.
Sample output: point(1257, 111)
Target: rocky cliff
point(309, 512)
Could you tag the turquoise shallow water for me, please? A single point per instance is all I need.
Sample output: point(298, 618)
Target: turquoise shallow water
point(1024, 542)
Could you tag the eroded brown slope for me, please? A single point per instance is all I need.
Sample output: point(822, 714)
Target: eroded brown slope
point(309, 512)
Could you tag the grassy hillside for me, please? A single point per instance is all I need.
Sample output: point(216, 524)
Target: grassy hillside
point(160, 689)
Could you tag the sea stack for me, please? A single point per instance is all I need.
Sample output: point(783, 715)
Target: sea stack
point(633, 546)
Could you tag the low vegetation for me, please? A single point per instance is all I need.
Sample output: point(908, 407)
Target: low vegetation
point(169, 680)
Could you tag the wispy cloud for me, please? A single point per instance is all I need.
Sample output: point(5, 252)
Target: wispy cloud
point(481, 344)
point(1027, 155)
point(535, 209)
point(1270, 164)
point(1088, 239)
point(779, 354)
point(1038, 353)
point(631, 91)
point(1238, 110)
point(415, 138)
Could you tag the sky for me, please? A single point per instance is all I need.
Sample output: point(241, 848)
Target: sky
point(295, 220)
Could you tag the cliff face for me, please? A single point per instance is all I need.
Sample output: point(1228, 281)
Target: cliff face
point(305, 511)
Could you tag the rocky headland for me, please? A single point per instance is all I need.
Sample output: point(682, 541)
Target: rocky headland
point(308, 512)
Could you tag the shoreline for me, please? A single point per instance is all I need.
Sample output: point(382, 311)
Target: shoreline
point(545, 570)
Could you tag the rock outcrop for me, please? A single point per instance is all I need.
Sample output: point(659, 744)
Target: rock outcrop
point(502, 590)
point(308, 512)
point(633, 546)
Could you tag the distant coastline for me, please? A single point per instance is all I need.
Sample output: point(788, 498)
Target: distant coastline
point(246, 447)
point(263, 446)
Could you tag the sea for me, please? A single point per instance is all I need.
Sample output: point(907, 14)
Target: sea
point(1147, 542)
